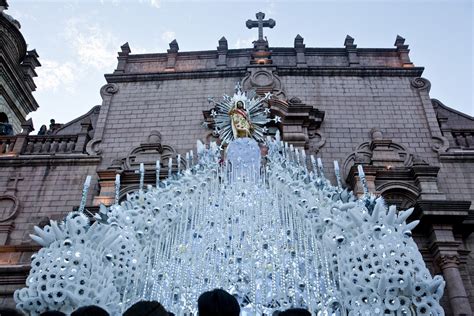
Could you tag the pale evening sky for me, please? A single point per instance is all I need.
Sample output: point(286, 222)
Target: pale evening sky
point(78, 40)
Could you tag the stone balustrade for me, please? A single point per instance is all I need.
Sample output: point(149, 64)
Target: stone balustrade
point(50, 144)
point(7, 144)
point(463, 138)
point(42, 145)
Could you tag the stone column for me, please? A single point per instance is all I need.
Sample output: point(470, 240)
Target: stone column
point(20, 143)
point(457, 295)
point(83, 136)
point(445, 249)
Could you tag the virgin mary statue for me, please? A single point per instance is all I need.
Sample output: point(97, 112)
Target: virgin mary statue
point(241, 125)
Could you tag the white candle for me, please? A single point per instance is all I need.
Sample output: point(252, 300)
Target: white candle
point(361, 171)
point(320, 163)
point(142, 167)
point(117, 179)
point(170, 167)
point(87, 183)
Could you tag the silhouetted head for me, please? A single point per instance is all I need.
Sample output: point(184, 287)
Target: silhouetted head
point(295, 312)
point(9, 312)
point(146, 308)
point(52, 313)
point(218, 303)
point(91, 310)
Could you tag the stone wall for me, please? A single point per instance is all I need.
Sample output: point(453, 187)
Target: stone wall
point(45, 191)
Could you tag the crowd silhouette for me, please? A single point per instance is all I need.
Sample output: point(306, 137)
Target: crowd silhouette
point(212, 303)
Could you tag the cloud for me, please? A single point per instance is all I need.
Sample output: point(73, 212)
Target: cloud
point(52, 75)
point(94, 46)
point(168, 36)
point(154, 3)
point(270, 10)
point(244, 42)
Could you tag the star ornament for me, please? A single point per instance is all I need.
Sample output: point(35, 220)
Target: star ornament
point(213, 113)
point(277, 119)
point(266, 111)
point(267, 96)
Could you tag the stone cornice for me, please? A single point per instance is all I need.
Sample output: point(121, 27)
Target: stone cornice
point(442, 211)
point(17, 36)
point(12, 277)
point(464, 156)
point(356, 72)
point(49, 160)
point(14, 79)
point(19, 248)
point(276, 51)
point(133, 77)
point(282, 71)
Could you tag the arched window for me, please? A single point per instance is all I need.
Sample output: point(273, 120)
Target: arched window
point(403, 199)
point(6, 128)
point(3, 117)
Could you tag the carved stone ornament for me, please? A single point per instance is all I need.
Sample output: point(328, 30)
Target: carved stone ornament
point(448, 261)
point(93, 147)
point(316, 140)
point(389, 153)
point(109, 89)
point(421, 84)
point(441, 144)
point(263, 80)
point(148, 153)
point(9, 205)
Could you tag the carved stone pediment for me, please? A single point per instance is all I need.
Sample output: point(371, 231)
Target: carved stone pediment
point(263, 80)
point(394, 172)
point(147, 153)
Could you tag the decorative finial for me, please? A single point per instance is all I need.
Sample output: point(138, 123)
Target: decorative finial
point(174, 47)
point(299, 42)
point(400, 42)
point(349, 42)
point(125, 49)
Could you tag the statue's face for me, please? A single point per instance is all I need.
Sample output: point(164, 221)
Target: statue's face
point(240, 105)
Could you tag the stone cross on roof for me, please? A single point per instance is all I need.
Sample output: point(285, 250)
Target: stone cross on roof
point(260, 23)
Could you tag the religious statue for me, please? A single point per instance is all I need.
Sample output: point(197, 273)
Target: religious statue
point(240, 121)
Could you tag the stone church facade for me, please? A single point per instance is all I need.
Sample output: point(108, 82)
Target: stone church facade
point(368, 106)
